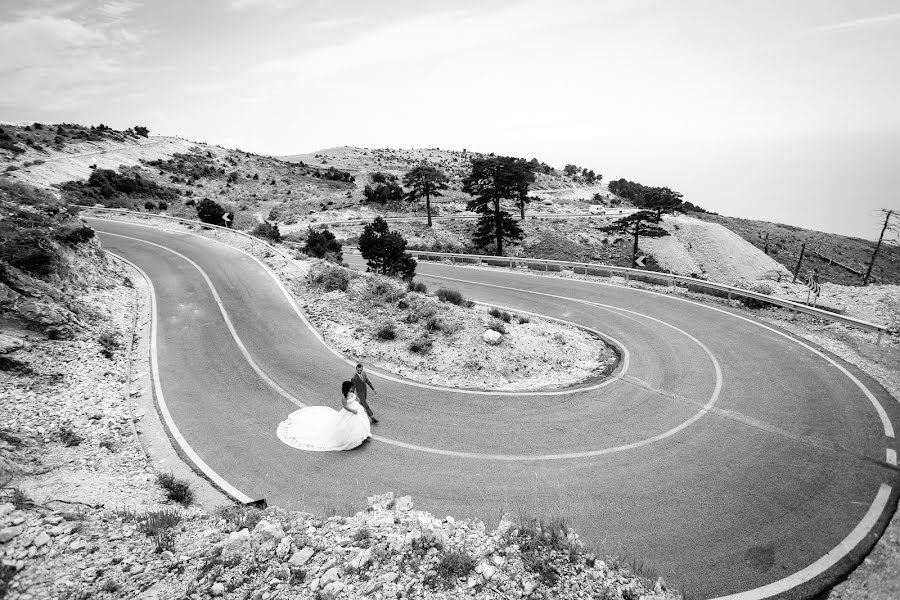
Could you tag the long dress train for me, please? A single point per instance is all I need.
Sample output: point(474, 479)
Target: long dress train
point(323, 429)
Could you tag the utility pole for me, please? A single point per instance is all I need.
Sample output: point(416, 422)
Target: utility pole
point(799, 262)
point(887, 218)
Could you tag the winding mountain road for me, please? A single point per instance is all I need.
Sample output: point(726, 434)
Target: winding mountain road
point(728, 455)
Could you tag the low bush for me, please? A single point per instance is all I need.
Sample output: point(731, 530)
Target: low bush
point(417, 286)
point(500, 314)
point(451, 296)
point(523, 319)
point(74, 234)
point(386, 290)
point(497, 326)
point(29, 251)
point(454, 565)
point(386, 332)
point(420, 345)
point(150, 205)
point(333, 278)
point(177, 490)
point(267, 231)
point(109, 343)
point(420, 312)
point(433, 324)
point(69, 437)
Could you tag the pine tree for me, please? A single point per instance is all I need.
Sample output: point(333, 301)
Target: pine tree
point(385, 251)
point(425, 181)
point(641, 223)
point(491, 181)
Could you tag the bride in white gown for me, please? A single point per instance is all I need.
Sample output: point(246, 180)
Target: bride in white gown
point(323, 429)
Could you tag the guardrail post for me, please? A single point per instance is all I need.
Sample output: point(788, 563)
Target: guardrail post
point(626, 276)
point(729, 294)
point(878, 341)
point(510, 264)
point(546, 266)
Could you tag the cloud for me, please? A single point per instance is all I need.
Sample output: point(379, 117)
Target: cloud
point(51, 61)
point(857, 23)
point(413, 40)
point(244, 4)
point(118, 8)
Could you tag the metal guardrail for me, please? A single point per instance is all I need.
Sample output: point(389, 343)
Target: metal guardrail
point(699, 285)
point(650, 277)
point(611, 212)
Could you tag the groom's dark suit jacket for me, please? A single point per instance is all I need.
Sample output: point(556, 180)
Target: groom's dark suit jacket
point(359, 386)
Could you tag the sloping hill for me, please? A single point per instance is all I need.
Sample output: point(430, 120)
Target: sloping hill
point(711, 250)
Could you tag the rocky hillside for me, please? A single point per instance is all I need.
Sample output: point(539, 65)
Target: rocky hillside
point(47, 256)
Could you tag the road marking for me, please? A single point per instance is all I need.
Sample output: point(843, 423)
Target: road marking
point(208, 471)
point(826, 562)
point(882, 414)
point(240, 344)
point(891, 457)
point(472, 455)
point(624, 365)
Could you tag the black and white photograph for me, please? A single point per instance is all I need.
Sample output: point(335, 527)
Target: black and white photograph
point(400, 300)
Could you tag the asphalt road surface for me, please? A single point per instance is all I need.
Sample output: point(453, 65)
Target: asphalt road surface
point(724, 454)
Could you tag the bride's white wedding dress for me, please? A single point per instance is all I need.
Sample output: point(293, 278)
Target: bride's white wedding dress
point(323, 429)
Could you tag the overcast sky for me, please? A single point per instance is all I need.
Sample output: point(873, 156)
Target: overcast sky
point(779, 110)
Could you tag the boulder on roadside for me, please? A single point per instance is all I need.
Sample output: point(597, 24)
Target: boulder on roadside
point(267, 531)
point(492, 337)
point(237, 544)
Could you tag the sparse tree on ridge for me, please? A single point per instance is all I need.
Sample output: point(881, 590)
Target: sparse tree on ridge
point(661, 200)
point(425, 180)
point(491, 181)
point(641, 223)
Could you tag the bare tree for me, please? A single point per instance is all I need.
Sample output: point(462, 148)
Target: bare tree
point(888, 226)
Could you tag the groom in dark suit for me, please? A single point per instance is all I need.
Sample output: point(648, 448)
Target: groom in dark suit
point(360, 380)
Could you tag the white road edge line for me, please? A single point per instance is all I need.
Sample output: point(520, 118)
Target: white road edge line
point(826, 562)
point(217, 479)
point(891, 457)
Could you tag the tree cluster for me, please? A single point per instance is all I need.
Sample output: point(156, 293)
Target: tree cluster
point(321, 243)
point(385, 190)
point(657, 199)
point(210, 211)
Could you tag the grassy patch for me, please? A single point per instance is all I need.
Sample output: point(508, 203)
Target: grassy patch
point(500, 315)
point(454, 565)
point(177, 490)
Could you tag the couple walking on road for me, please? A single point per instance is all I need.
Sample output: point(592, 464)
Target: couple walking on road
point(323, 429)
